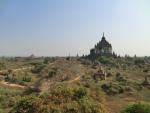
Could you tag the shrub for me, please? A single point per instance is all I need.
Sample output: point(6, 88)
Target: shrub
point(137, 108)
point(61, 95)
point(31, 90)
point(60, 100)
point(128, 88)
point(38, 68)
point(80, 93)
point(112, 89)
point(1, 110)
point(105, 60)
point(26, 78)
point(51, 74)
point(8, 97)
point(86, 62)
point(118, 74)
point(145, 82)
point(27, 105)
point(90, 106)
point(48, 60)
point(139, 61)
point(145, 70)
point(11, 78)
point(120, 78)
point(68, 58)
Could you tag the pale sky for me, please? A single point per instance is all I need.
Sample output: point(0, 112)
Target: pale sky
point(60, 27)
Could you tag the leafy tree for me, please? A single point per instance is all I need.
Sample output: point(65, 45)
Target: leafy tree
point(46, 60)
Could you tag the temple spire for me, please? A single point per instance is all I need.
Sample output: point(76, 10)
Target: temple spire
point(103, 34)
point(103, 37)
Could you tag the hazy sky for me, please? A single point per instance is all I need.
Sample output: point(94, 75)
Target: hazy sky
point(60, 27)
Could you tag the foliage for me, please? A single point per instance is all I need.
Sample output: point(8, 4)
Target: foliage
point(60, 100)
point(112, 88)
point(27, 104)
point(105, 60)
point(48, 60)
point(31, 90)
point(137, 108)
point(51, 74)
point(120, 78)
point(16, 78)
point(26, 79)
point(81, 96)
point(139, 61)
point(145, 82)
point(8, 97)
point(109, 61)
point(38, 68)
point(80, 92)
point(86, 62)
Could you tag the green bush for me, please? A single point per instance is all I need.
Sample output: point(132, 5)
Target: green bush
point(120, 78)
point(86, 62)
point(1, 110)
point(31, 90)
point(27, 105)
point(60, 100)
point(80, 93)
point(112, 88)
point(13, 78)
point(51, 74)
point(139, 61)
point(137, 108)
point(38, 68)
point(26, 79)
point(48, 60)
point(105, 60)
point(8, 97)
point(90, 106)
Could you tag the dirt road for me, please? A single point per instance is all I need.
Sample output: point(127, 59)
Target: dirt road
point(14, 70)
point(11, 84)
point(75, 79)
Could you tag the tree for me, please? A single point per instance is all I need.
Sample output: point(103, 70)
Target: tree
point(46, 60)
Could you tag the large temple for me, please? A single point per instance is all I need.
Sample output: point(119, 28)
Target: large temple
point(103, 48)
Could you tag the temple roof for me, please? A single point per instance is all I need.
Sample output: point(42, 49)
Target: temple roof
point(103, 43)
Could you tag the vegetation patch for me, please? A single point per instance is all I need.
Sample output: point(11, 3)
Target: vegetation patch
point(137, 108)
point(60, 100)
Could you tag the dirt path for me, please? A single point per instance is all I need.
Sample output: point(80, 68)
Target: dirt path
point(12, 85)
point(19, 69)
point(24, 68)
point(75, 79)
point(45, 86)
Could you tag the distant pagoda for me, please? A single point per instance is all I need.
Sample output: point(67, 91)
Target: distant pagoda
point(103, 48)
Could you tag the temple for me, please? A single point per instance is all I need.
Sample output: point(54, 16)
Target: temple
point(103, 48)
